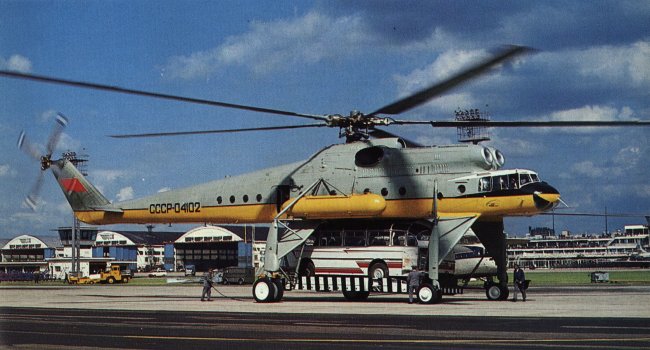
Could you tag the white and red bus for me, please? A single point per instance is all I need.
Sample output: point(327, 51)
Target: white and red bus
point(380, 249)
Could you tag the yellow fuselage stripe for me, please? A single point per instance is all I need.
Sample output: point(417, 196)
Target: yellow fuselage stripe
point(264, 213)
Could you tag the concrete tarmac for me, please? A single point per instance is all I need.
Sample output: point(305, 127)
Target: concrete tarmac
point(583, 301)
point(173, 317)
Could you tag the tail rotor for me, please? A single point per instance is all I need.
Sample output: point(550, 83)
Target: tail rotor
point(32, 150)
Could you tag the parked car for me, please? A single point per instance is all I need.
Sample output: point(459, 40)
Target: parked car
point(190, 270)
point(239, 275)
point(158, 273)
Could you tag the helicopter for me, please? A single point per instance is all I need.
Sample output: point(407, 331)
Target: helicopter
point(374, 175)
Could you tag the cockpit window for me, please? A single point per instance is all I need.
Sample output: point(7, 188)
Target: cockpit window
point(485, 184)
point(506, 182)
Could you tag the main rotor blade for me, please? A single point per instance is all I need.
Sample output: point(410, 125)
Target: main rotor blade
point(201, 132)
point(117, 89)
point(525, 124)
point(382, 134)
point(429, 93)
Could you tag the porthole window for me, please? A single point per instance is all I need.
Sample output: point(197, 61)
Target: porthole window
point(384, 192)
point(402, 191)
point(219, 199)
point(366, 191)
point(245, 198)
point(258, 197)
point(461, 188)
point(232, 199)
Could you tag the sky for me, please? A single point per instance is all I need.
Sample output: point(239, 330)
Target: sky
point(592, 62)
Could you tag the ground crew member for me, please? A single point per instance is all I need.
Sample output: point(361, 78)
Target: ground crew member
point(413, 281)
point(207, 286)
point(520, 283)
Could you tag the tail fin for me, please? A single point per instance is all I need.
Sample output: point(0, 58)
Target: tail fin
point(80, 193)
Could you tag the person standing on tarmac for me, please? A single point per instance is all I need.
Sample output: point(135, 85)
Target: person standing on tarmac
point(413, 282)
point(207, 286)
point(520, 283)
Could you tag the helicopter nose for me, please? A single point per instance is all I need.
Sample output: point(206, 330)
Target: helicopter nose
point(545, 196)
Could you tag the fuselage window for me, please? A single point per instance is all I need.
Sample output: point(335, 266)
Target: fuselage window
point(219, 199)
point(245, 198)
point(232, 199)
point(384, 192)
point(258, 198)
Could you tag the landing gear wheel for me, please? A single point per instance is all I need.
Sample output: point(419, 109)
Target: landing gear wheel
point(504, 293)
point(428, 294)
point(264, 290)
point(493, 292)
point(279, 285)
point(352, 295)
point(110, 280)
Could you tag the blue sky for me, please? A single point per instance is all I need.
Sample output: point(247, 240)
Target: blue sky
point(321, 58)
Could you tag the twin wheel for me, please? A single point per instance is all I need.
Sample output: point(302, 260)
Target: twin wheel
point(268, 290)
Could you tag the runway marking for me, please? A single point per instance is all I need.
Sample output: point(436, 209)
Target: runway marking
point(394, 341)
point(606, 327)
point(507, 341)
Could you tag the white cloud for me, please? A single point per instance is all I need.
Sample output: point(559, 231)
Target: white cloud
point(125, 194)
point(624, 65)
point(6, 170)
point(268, 46)
point(587, 113)
point(17, 63)
point(107, 175)
point(164, 189)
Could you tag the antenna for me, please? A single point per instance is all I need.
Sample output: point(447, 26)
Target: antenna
point(473, 134)
point(78, 160)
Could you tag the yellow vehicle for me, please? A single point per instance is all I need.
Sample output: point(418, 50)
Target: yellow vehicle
point(113, 275)
point(78, 279)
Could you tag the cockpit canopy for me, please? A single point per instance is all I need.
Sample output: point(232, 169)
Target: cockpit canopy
point(506, 180)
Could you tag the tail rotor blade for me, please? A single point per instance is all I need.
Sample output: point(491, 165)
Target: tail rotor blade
point(61, 123)
point(32, 199)
point(29, 148)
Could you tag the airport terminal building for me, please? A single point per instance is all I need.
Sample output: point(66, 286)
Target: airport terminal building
point(139, 251)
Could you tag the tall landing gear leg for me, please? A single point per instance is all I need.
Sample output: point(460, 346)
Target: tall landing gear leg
point(494, 239)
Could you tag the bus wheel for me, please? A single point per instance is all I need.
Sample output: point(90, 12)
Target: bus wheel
point(264, 290)
point(352, 295)
point(307, 269)
point(378, 271)
point(428, 294)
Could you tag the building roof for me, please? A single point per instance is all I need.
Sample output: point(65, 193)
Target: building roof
point(151, 238)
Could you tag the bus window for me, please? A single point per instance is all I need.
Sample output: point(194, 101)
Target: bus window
point(378, 238)
point(335, 239)
point(355, 239)
point(411, 241)
point(328, 238)
point(399, 238)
